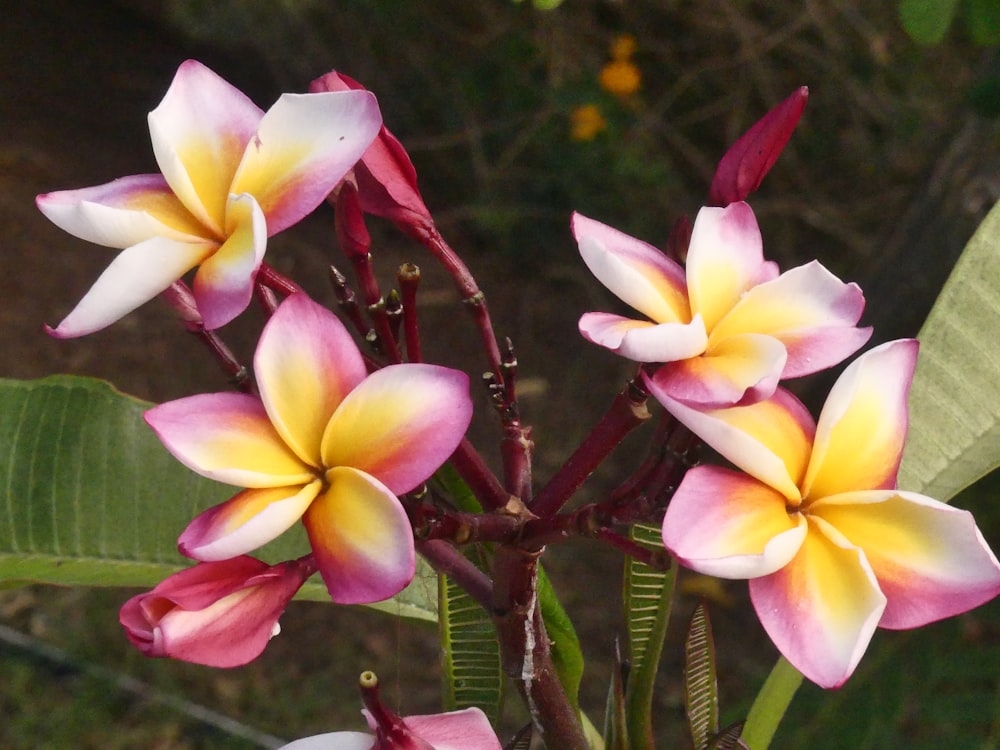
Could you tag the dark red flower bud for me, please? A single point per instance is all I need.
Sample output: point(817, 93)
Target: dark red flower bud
point(743, 167)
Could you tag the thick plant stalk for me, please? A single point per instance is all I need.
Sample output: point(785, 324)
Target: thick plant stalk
point(524, 649)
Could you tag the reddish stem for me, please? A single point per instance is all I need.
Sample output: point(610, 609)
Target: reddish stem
point(280, 283)
point(472, 296)
point(445, 558)
point(347, 301)
point(266, 297)
point(627, 412)
point(409, 280)
point(516, 448)
point(180, 298)
point(477, 475)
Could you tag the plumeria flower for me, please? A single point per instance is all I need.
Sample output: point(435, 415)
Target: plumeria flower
point(221, 614)
point(468, 729)
point(727, 325)
point(832, 549)
point(325, 442)
point(232, 176)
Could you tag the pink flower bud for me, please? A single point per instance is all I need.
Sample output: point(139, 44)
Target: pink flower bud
point(386, 179)
point(221, 614)
point(747, 161)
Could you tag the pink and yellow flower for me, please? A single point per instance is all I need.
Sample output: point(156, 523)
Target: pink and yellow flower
point(325, 442)
point(220, 614)
point(727, 325)
point(232, 176)
point(832, 549)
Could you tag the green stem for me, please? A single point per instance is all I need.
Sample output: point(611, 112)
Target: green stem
point(770, 705)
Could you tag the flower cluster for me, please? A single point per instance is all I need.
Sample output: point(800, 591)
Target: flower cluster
point(831, 548)
point(340, 441)
point(325, 441)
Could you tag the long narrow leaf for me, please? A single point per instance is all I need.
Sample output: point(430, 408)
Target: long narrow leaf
point(701, 694)
point(472, 674)
point(770, 704)
point(567, 655)
point(954, 436)
point(728, 739)
point(648, 595)
point(89, 496)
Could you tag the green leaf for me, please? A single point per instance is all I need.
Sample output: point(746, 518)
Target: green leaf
point(89, 496)
point(954, 436)
point(927, 21)
point(472, 674)
point(701, 693)
point(770, 704)
point(648, 594)
point(567, 656)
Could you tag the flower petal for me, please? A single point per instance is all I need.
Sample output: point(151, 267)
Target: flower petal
point(134, 277)
point(245, 522)
point(642, 341)
point(862, 427)
point(808, 309)
point(306, 363)
point(121, 213)
point(636, 272)
point(303, 147)
point(468, 729)
point(725, 258)
point(400, 424)
point(387, 180)
point(930, 559)
point(361, 538)
point(724, 523)
point(333, 741)
point(822, 608)
point(199, 132)
point(227, 437)
point(738, 370)
point(769, 440)
point(223, 285)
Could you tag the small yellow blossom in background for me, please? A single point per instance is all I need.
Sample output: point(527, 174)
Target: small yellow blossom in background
point(623, 47)
point(621, 76)
point(586, 122)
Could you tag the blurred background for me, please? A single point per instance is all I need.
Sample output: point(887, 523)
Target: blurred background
point(514, 115)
